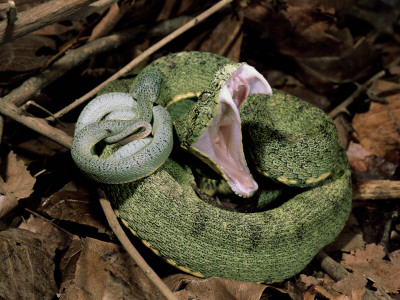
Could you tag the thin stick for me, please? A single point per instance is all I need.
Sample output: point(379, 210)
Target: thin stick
point(39, 125)
point(119, 232)
point(144, 55)
point(48, 221)
point(360, 88)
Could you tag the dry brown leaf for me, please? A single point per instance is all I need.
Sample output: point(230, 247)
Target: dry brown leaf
point(35, 146)
point(382, 86)
point(302, 31)
point(359, 158)
point(17, 183)
point(42, 227)
point(375, 129)
point(370, 262)
point(24, 55)
point(352, 282)
point(314, 290)
point(323, 4)
point(309, 280)
point(325, 52)
point(27, 265)
point(368, 165)
point(328, 288)
point(75, 207)
point(324, 71)
point(189, 287)
point(98, 270)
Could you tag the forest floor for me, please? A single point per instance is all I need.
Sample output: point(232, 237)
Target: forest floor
point(342, 56)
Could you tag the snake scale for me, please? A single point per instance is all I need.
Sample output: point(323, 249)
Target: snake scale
point(226, 114)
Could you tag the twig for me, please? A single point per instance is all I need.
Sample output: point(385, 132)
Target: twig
point(144, 55)
point(49, 221)
point(119, 232)
point(33, 103)
point(39, 125)
point(360, 88)
point(42, 15)
point(331, 267)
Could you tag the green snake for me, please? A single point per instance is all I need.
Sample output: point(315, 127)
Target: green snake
point(221, 112)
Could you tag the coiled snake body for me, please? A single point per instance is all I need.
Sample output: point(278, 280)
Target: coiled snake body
point(285, 139)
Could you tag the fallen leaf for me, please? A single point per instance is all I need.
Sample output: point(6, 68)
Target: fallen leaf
point(324, 71)
point(316, 290)
point(323, 4)
point(27, 265)
point(21, 57)
point(367, 165)
point(370, 262)
point(77, 207)
point(309, 280)
point(44, 228)
point(352, 282)
point(103, 271)
point(384, 86)
point(17, 183)
point(376, 130)
point(189, 287)
point(359, 158)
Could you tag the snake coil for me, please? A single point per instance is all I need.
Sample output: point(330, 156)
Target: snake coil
point(286, 139)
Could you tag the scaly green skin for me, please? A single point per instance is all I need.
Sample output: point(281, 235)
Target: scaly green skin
point(94, 125)
point(289, 140)
point(166, 214)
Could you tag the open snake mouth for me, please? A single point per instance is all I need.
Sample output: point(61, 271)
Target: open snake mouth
point(222, 140)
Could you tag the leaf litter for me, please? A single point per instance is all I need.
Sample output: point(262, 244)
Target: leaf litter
point(314, 49)
point(16, 183)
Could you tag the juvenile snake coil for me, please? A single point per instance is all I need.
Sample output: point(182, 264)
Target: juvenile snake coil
point(221, 112)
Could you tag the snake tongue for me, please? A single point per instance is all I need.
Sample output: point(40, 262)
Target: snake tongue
point(222, 140)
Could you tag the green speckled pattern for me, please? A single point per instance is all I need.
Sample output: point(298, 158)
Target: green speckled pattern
point(259, 247)
point(167, 215)
point(288, 138)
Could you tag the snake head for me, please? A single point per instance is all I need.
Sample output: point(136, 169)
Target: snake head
point(212, 128)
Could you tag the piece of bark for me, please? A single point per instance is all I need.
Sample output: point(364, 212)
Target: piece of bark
point(376, 190)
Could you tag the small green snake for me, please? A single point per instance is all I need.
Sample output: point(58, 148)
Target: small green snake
point(227, 115)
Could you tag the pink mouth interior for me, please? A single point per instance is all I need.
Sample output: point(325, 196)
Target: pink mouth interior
point(222, 140)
